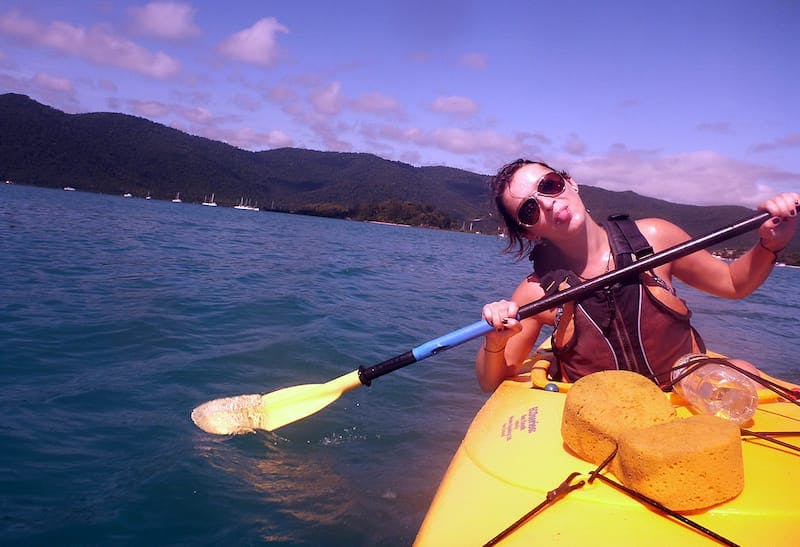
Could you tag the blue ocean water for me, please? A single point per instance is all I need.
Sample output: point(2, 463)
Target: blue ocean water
point(118, 316)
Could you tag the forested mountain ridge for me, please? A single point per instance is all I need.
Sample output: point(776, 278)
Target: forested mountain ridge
point(119, 153)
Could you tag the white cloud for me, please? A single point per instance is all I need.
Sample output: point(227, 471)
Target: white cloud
point(256, 44)
point(478, 61)
point(464, 141)
point(52, 90)
point(196, 115)
point(455, 105)
point(150, 109)
point(377, 103)
point(173, 20)
point(157, 109)
point(53, 83)
point(332, 135)
point(328, 100)
point(791, 140)
point(700, 177)
point(98, 44)
point(281, 94)
point(108, 85)
point(201, 121)
point(721, 128)
point(246, 102)
point(453, 140)
point(575, 145)
point(249, 139)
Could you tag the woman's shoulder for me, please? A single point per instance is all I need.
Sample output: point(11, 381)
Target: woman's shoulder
point(661, 233)
point(529, 289)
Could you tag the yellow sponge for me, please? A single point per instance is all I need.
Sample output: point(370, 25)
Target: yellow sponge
point(685, 464)
point(602, 406)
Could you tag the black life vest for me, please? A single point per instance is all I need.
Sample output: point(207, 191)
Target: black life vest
point(637, 324)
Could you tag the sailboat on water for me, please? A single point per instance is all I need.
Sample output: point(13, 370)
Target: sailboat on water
point(245, 206)
point(177, 198)
point(211, 202)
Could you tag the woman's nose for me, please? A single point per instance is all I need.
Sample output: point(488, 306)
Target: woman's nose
point(546, 203)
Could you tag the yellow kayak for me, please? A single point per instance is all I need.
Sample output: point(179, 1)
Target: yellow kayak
point(512, 456)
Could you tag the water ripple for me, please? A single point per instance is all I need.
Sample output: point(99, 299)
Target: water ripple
point(118, 316)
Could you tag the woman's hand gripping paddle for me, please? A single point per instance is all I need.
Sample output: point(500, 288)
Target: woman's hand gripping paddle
point(245, 413)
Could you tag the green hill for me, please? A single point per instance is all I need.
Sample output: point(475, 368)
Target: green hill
point(118, 153)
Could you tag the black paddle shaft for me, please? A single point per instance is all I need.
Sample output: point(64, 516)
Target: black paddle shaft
point(644, 264)
point(480, 328)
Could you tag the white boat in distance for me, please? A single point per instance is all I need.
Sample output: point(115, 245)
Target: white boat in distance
point(210, 203)
point(177, 198)
point(245, 206)
point(66, 188)
point(127, 195)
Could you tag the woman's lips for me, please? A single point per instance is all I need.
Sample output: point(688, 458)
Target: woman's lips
point(563, 215)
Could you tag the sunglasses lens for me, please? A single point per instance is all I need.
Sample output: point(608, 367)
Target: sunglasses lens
point(528, 213)
point(551, 184)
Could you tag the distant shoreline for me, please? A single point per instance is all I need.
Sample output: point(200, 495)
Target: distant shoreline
point(417, 214)
point(388, 223)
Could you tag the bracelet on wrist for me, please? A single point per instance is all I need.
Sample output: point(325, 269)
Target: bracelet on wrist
point(487, 350)
point(774, 253)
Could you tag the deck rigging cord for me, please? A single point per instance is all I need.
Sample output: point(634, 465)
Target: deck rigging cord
point(665, 511)
point(553, 495)
point(566, 487)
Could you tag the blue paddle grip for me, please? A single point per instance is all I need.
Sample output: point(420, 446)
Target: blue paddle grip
point(438, 345)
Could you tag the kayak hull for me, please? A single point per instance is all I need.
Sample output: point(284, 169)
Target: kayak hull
point(512, 455)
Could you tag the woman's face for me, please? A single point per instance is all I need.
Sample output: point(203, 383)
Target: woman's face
point(558, 215)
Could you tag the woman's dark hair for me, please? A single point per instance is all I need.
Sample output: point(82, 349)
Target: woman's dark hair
point(520, 245)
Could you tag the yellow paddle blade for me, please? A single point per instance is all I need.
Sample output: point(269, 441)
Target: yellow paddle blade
point(246, 413)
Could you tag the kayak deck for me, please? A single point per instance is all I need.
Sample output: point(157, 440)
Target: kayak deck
point(512, 455)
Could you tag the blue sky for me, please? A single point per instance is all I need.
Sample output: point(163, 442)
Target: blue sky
point(693, 101)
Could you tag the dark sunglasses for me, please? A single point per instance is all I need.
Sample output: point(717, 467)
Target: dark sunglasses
point(550, 184)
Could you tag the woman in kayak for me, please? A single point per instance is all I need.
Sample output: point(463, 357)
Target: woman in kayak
point(638, 325)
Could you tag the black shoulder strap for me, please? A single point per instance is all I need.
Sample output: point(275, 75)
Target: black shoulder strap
point(627, 242)
point(552, 280)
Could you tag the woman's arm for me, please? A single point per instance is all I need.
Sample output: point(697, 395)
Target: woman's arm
point(504, 349)
point(736, 279)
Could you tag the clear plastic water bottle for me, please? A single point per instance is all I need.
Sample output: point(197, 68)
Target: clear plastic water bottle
point(716, 389)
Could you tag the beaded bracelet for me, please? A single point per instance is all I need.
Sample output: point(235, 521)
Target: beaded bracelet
point(774, 253)
point(487, 350)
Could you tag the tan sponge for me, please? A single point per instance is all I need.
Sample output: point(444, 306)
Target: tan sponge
point(686, 464)
point(602, 406)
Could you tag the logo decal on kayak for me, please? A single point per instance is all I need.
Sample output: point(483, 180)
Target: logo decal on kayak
point(526, 421)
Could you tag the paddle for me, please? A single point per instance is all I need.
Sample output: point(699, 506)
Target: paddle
point(244, 413)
